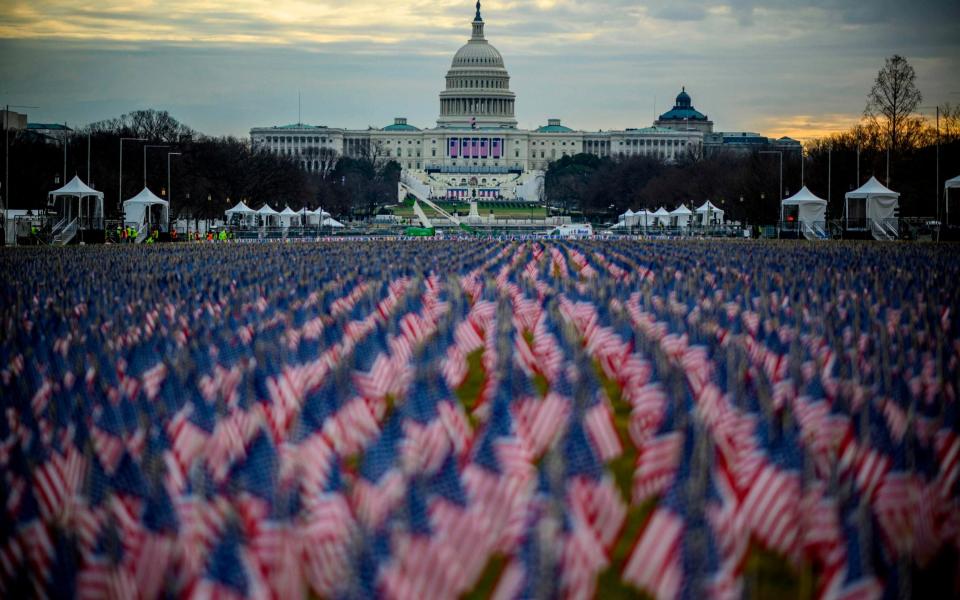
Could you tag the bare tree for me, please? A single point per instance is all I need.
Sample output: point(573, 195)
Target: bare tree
point(949, 122)
point(327, 159)
point(892, 102)
point(154, 125)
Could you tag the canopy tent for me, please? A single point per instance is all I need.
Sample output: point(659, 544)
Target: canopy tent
point(661, 216)
point(681, 216)
point(241, 214)
point(139, 210)
point(626, 216)
point(269, 216)
point(314, 217)
point(289, 217)
point(809, 207)
point(709, 214)
point(240, 209)
point(90, 217)
point(331, 222)
point(950, 184)
point(643, 218)
point(871, 201)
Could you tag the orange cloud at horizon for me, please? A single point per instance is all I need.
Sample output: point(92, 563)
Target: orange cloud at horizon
point(808, 127)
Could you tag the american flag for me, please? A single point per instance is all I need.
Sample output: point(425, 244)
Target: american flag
point(447, 418)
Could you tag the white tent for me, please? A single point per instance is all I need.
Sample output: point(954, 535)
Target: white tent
point(137, 210)
point(289, 217)
point(314, 216)
point(950, 184)
point(709, 213)
point(331, 222)
point(872, 201)
point(643, 218)
point(269, 215)
point(681, 216)
point(241, 212)
point(661, 216)
point(90, 217)
point(809, 207)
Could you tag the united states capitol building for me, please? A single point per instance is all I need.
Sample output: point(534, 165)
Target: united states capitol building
point(476, 150)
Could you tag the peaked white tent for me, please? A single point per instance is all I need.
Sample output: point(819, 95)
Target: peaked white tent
point(331, 222)
point(681, 216)
point(661, 216)
point(270, 216)
point(624, 220)
point(315, 217)
point(809, 207)
point(241, 212)
point(643, 218)
point(289, 217)
point(950, 184)
point(61, 200)
point(872, 201)
point(709, 214)
point(138, 210)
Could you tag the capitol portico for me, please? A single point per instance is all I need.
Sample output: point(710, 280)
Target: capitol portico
point(475, 150)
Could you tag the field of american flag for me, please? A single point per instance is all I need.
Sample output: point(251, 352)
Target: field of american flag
point(480, 419)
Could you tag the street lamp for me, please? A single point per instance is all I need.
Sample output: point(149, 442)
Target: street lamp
point(937, 196)
point(120, 188)
point(169, 189)
point(6, 159)
point(780, 191)
point(145, 160)
point(743, 213)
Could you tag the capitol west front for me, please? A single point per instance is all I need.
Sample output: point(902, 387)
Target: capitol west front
point(476, 150)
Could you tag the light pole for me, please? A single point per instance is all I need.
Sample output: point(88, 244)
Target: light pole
point(145, 160)
point(780, 192)
point(64, 140)
point(6, 161)
point(937, 194)
point(829, 173)
point(120, 185)
point(169, 189)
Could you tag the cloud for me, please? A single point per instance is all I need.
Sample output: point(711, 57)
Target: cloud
point(224, 66)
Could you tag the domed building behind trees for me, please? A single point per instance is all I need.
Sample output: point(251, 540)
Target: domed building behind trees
point(684, 117)
point(476, 150)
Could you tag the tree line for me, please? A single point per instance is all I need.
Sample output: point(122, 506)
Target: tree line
point(208, 174)
point(892, 142)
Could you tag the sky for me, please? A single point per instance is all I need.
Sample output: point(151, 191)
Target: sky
point(800, 68)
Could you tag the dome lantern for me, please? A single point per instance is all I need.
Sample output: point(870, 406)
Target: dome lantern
point(478, 24)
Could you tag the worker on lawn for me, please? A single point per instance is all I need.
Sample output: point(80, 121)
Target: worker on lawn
point(223, 235)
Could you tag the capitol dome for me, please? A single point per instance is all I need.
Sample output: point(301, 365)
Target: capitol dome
point(477, 53)
point(477, 92)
